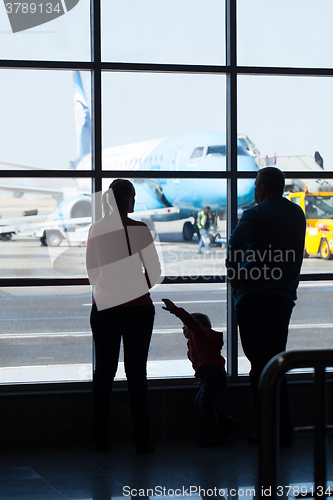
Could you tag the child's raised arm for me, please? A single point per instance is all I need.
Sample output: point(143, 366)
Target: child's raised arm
point(169, 306)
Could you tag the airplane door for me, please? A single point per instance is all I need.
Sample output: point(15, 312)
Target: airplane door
point(174, 166)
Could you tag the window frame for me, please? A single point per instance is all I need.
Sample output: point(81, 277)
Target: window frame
point(231, 71)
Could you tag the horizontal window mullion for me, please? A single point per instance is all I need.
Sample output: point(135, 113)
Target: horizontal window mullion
point(160, 174)
point(28, 282)
point(314, 174)
point(167, 280)
point(164, 68)
point(164, 174)
point(283, 71)
point(47, 173)
point(56, 65)
point(317, 277)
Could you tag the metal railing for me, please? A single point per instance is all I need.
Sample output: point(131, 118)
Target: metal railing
point(269, 386)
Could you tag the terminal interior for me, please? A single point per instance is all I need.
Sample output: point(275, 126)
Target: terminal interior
point(156, 73)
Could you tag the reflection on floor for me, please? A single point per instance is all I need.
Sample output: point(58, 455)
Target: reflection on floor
point(173, 469)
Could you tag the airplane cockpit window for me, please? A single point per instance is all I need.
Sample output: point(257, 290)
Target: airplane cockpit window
point(222, 151)
point(197, 152)
point(216, 150)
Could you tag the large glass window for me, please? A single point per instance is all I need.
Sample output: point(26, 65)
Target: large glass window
point(162, 94)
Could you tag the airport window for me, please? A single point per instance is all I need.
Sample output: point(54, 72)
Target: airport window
point(249, 101)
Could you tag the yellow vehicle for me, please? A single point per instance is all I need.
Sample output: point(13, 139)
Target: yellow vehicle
point(318, 209)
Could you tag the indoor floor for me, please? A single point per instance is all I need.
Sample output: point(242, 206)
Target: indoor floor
point(175, 469)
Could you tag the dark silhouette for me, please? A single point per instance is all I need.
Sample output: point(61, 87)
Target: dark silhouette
point(264, 259)
point(204, 351)
point(122, 264)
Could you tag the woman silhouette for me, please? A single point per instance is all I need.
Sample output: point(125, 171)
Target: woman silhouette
point(122, 264)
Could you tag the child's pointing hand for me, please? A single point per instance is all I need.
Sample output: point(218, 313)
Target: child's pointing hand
point(169, 306)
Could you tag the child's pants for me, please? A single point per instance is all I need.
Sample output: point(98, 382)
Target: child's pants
point(213, 379)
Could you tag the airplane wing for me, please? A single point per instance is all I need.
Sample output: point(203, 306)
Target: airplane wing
point(17, 166)
point(152, 204)
point(20, 189)
point(293, 163)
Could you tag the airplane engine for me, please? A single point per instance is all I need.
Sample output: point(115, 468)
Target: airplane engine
point(62, 221)
point(74, 208)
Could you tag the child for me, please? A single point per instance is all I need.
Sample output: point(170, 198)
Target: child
point(204, 351)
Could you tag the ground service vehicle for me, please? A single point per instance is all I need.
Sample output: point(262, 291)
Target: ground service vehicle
point(318, 209)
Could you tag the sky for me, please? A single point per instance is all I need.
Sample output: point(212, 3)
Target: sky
point(281, 115)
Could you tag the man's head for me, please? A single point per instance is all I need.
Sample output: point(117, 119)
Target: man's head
point(269, 182)
point(207, 210)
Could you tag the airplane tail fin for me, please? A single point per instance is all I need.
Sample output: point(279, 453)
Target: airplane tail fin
point(82, 116)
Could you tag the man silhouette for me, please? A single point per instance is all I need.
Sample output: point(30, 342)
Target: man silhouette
point(264, 259)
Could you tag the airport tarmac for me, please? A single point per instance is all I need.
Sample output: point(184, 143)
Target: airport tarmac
point(45, 332)
point(23, 257)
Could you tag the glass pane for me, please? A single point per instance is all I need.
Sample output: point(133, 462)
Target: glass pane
point(311, 321)
point(187, 32)
point(315, 197)
point(156, 121)
point(170, 208)
point(284, 33)
point(168, 350)
point(55, 30)
point(288, 119)
point(48, 337)
point(46, 334)
point(40, 126)
point(43, 227)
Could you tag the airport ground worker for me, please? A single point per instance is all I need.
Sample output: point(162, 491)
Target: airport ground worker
point(204, 223)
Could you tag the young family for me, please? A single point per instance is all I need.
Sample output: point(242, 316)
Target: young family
point(122, 266)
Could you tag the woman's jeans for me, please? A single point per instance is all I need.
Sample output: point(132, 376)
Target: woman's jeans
point(134, 325)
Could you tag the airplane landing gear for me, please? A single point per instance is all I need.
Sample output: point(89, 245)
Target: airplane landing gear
point(189, 230)
point(6, 236)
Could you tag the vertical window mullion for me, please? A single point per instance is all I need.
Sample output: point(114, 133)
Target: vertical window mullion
point(96, 102)
point(231, 143)
point(96, 113)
